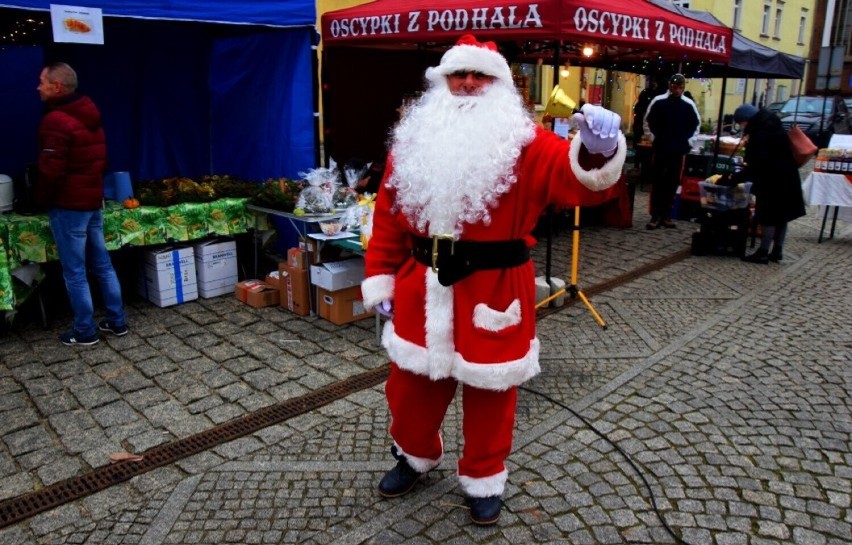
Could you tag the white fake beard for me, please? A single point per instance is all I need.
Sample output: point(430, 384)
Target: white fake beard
point(454, 156)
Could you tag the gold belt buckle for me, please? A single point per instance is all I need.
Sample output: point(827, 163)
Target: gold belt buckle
point(435, 239)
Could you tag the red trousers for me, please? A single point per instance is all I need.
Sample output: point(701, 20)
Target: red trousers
point(418, 406)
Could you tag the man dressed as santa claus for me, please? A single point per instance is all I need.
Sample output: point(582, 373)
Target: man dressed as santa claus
point(468, 175)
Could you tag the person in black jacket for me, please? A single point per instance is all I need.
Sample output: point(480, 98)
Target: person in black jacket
point(776, 184)
point(671, 121)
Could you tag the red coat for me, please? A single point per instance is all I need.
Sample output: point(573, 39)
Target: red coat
point(72, 155)
point(480, 330)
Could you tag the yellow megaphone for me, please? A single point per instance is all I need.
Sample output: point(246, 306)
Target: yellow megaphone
point(559, 104)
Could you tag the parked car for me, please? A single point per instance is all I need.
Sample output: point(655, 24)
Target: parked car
point(775, 107)
point(818, 117)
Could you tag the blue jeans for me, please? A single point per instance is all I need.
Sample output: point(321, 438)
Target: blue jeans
point(79, 236)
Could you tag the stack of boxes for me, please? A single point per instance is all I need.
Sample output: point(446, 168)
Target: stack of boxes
point(175, 275)
point(338, 285)
point(294, 283)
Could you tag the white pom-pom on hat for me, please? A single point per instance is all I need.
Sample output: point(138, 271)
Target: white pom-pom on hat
point(469, 54)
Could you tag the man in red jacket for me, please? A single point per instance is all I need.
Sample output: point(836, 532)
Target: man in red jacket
point(71, 164)
point(467, 179)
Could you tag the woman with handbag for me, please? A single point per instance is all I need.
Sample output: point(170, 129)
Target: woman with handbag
point(772, 169)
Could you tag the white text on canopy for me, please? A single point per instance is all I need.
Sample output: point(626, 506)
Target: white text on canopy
point(437, 20)
point(608, 23)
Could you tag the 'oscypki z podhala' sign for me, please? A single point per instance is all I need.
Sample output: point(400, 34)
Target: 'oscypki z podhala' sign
point(633, 24)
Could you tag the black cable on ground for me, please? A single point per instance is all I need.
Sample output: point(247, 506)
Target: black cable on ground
point(635, 467)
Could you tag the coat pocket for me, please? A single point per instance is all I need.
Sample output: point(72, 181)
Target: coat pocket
point(497, 321)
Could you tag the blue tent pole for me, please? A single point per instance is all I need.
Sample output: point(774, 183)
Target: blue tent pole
point(316, 96)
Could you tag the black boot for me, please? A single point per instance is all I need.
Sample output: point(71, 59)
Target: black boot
point(399, 480)
point(760, 256)
point(775, 255)
point(485, 511)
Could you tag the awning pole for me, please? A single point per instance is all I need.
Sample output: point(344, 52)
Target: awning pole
point(719, 122)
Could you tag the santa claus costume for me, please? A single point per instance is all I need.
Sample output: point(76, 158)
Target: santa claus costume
point(467, 179)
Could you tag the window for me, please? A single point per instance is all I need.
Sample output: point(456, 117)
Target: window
point(779, 11)
point(782, 94)
point(738, 12)
point(767, 12)
point(528, 78)
point(681, 3)
point(803, 26)
point(738, 88)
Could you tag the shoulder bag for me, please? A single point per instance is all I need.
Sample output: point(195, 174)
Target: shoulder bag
point(800, 145)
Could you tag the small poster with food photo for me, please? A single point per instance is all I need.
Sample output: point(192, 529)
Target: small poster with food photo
point(75, 24)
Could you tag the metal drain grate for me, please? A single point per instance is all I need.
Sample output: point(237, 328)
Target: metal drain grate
point(23, 507)
point(20, 508)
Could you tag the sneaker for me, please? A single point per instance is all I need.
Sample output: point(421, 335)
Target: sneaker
point(399, 480)
point(757, 257)
point(117, 330)
point(71, 338)
point(485, 511)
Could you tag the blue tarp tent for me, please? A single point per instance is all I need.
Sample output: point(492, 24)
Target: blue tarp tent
point(185, 88)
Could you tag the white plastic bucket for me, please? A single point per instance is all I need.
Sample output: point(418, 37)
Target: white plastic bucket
point(7, 193)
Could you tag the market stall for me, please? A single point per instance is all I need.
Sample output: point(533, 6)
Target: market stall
point(396, 40)
point(28, 239)
point(185, 88)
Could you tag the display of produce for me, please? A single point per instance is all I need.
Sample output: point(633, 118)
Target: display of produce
point(169, 191)
point(173, 191)
point(278, 194)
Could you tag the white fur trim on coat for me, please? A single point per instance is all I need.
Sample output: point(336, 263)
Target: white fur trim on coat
point(421, 465)
point(597, 179)
point(487, 376)
point(471, 57)
point(439, 327)
point(376, 289)
point(489, 319)
point(485, 486)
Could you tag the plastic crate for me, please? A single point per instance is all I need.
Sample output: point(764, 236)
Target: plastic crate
point(720, 197)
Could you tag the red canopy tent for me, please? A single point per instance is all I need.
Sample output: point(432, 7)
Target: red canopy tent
point(636, 25)
point(399, 38)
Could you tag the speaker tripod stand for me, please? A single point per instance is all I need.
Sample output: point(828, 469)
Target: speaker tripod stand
point(572, 290)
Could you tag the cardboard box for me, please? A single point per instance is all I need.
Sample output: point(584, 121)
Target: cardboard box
point(274, 279)
point(295, 289)
point(342, 306)
point(257, 294)
point(169, 297)
point(298, 258)
point(216, 267)
point(168, 276)
point(241, 288)
point(263, 295)
point(337, 275)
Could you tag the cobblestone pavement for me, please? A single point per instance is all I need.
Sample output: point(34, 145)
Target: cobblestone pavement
point(727, 383)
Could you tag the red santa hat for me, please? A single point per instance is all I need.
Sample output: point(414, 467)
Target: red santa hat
point(471, 55)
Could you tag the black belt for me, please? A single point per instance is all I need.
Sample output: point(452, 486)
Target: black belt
point(453, 260)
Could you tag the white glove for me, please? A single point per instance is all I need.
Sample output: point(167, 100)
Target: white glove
point(385, 308)
point(599, 129)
